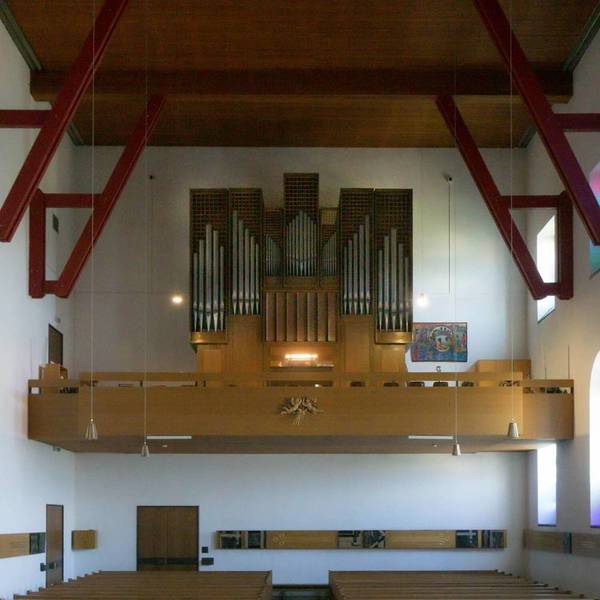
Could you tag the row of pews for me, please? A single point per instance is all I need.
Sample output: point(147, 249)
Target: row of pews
point(345, 585)
point(155, 585)
point(431, 585)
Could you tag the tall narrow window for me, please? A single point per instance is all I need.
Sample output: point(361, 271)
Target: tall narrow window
point(595, 250)
point(595, 443)
point(546, 263)
point(546, 483)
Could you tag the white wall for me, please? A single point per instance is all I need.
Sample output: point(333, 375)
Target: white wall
point(307, 492)
point(574, 324)
point(32, 474)
point(489, 292)
point(296, 491)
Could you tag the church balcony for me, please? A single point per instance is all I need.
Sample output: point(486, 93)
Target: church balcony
point(314, 411)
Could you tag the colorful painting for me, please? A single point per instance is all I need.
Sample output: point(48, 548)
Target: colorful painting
point(439, 342)
point(595, 250)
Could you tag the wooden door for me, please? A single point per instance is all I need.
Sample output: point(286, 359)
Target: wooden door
point(54, 544)
point(167, 538)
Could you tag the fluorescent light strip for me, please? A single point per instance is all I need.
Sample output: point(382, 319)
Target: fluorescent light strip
point(169, 437)
point(431, 437)
point(301, 356)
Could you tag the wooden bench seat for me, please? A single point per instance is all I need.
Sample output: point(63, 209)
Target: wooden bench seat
point(154, 585)
point(431, 585)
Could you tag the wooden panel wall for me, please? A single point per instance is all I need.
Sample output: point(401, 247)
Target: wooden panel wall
point(83, 539)
point(548, 541)
point(488, 539)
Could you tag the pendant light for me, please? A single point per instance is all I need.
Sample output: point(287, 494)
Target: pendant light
point(145, 451)
point(513, 427)
point(456, 450)
point(91, 431)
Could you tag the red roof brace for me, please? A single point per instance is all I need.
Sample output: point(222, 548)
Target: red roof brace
point(54, 122)
point(550, 126)
point(500, 209)
point(102, 205)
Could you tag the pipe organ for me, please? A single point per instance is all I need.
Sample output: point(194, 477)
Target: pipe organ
point(273, 228)
point(301, 205)
point(209, 235)
point(246, 234)
point(298, 270)
point(393, 244)
point(328, 242)
point(356, 214)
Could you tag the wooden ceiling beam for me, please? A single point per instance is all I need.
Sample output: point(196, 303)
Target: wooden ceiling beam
point(557, 85)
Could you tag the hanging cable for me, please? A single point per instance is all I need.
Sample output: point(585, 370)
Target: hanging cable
point(513, 428)
point(91, 432)
point(456, 451)
point(145, 449)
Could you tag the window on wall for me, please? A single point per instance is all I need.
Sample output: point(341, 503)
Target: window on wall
point(546, 483)
point(546, 264)
point(595, 250)
point(595, 443)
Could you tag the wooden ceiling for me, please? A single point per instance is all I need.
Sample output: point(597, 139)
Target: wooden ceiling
point(305, 72)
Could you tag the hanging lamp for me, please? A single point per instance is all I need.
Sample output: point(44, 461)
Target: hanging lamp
point(513, 427)
point(91, 431)
point(145, 451)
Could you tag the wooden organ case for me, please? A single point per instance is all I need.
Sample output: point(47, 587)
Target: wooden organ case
point(301, 287)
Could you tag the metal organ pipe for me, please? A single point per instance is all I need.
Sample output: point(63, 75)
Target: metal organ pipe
point(356, 271)
point(393, 280)
point(301, 246)
point(245, 268)
point(208, 282)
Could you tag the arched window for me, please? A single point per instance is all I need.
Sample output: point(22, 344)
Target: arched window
point(595, 250)
point(595, 443)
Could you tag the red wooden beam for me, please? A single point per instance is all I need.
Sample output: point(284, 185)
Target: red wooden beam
point(499, 208)
point(23, 119)
point(515, 202)
point(37, 245)
point(66, 103)
point(69, 200)
point(564, 247)
point(102, 206)
point(548, 124)
point(581, 122)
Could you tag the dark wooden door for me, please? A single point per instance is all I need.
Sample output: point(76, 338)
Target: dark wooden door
point(167, 538)
point(54, 544)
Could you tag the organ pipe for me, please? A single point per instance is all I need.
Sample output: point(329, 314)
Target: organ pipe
point(301, 246)
point(208, 282)
point(393, 288)
point(245, 268)
point(356, 271)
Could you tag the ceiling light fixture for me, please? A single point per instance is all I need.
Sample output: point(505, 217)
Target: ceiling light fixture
point(431, 437)
point(168, 437)
point(177, 299)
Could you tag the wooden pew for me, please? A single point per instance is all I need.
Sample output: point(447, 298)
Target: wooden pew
point(432, 585)
point(155, 585)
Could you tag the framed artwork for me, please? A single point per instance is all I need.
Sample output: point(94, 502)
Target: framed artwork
point(254, 540)
point(350, 539)
point(467, 538)
point(374, 539)
point(439, 342)
point(229, 540)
